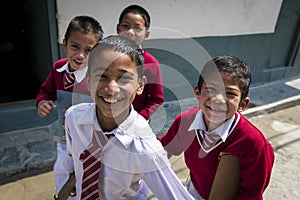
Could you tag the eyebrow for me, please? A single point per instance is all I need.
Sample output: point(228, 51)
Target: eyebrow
point(126, 72)
point(104, 69)
point(214, 84)
point(233, 89)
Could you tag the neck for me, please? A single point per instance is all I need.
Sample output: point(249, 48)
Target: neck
point(109, 124)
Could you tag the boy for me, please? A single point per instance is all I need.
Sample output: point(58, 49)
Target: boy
point(110, 138)
point(68, 74)
point(228, 157)
point(134, 23)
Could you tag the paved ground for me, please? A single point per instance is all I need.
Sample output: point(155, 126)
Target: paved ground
point(282, 128)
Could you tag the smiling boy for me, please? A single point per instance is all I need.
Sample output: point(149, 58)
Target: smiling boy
point(227, 156)
point(109, 132)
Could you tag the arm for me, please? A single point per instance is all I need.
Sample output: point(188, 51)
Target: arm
point(154, 99)
point(153, 95)
point(48, 89)
point(68, 189)
point(165, 184)
point(172, 142)
point(65, 179)
point(46, 96)
point(227, 178)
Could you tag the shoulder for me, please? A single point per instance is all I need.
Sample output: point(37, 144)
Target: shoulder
point(141, 127)
point(189, 114)
point(245, 126)
point(149, 58)
point(80, 109)
point(148, 147)
point(144, 133)
point(59, 63)
point(248, 135)
point(183, 121)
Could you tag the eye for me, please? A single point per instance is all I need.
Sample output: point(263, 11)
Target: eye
point(125, 79)
point(98, 77)
point(124, 26)
point(74, 46)
point(87, 51)
point(231, 94)
point(210, 90)
point(138, 29)
point(102, 77)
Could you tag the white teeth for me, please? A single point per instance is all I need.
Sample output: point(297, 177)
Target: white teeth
point(79, 62)
point(217, 110)
point(110, 100)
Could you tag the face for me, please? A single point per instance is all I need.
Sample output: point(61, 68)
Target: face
point(77, 49)
point(219, 99)
point(133, 27)
point(113, 82)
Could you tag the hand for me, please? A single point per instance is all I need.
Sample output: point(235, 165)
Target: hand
point(73, 192)
point(45, 107)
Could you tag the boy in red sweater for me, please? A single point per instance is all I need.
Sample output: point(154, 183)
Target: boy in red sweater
point(134, 23)
point(227, 156)
point(68, 74)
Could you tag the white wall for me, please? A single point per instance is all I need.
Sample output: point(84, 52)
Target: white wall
point(180, 18)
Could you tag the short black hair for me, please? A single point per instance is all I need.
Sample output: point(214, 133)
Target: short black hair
point(119, 44)
point(231, 65)
point(84, 24)
point(136, 9)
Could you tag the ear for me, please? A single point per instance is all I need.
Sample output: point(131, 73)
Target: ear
point(197, 92)
point(142, 83)
point(244, 104)
point(117, 28)
point(147, 34)
point(65, 44)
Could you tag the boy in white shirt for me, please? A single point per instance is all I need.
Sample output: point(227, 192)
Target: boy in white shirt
point(123, 145)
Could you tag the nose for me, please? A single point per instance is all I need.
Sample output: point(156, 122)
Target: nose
point(112, 87)
point(219, 98)
point(82, 53)
point(130, 32)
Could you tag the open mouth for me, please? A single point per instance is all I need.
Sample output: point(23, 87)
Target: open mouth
point(78, 62)
point(217, 110)
point(111, 100)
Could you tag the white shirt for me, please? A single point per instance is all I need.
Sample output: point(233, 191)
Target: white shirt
point(132, 155)
point(79, 74)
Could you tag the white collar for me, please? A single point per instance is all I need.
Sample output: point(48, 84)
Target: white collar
point(79, 74)
point(126, 132)
point(223, 131)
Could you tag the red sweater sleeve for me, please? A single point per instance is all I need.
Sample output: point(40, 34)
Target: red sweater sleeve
point(53, 82)
point(152, 97)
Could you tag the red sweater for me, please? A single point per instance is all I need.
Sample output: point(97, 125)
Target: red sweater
point(246, 142)
point(152, 97)
point(54, 82)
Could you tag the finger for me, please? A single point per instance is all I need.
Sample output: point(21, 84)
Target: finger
point(52, 104)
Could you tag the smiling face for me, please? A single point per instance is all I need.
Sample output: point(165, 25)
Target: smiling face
point(133, 27)
point(113, 83)
point(219, 98)
point(77, 49)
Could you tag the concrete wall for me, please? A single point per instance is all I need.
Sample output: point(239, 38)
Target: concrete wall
point(187, 33)
point(186, 18)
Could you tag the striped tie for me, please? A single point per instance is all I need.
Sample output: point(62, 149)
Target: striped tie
point(91, 167)
point(208, 141)
point(69, 79)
